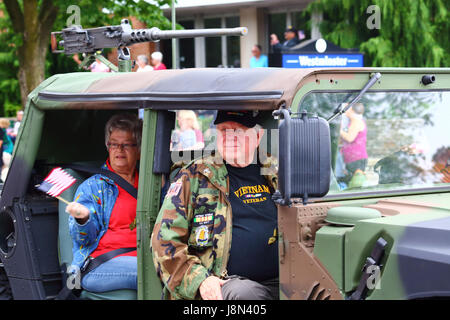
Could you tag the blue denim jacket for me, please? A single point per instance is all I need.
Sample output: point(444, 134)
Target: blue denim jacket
point(98, 194)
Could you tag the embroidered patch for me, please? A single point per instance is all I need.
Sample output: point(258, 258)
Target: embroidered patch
point(174, 189)
point(273, 238)
point(202, 236)
point(201, 219)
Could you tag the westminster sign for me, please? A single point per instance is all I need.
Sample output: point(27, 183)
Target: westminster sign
point(322, 60)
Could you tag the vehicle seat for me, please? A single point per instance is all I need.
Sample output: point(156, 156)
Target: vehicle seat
point(65, 246)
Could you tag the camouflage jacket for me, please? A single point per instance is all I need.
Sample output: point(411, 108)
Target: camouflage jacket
point(191, 239)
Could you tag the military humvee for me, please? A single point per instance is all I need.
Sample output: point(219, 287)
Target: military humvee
point(380, 234)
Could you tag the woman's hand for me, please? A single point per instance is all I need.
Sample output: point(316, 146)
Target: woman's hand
point(78, 211)
point(211, 288)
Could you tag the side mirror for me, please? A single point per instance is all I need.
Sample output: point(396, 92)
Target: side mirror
point(304, 157)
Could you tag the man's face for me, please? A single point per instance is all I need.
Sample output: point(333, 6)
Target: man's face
point(236, 143)
point(256, 52)
point(140, 63)
point(289, 35)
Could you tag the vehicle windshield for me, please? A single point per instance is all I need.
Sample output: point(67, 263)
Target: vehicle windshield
point(388, 141)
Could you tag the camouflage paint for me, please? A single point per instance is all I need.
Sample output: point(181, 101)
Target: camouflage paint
point(396, 230)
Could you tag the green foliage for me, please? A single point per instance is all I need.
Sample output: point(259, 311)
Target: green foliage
point(10, 109)
point(9, 66)
point(413, 33)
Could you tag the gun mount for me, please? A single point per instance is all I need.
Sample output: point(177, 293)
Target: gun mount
point(79, 40)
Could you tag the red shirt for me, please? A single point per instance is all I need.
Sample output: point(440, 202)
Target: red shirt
point(123, 214)
point(161, 66)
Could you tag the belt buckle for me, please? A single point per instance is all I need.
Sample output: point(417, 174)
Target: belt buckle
point(86, 263)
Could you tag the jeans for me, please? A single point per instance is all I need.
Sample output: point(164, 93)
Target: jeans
point(114, 274)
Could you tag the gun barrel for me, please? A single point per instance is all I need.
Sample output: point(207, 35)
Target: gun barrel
point(155, 34)
point(79, 40)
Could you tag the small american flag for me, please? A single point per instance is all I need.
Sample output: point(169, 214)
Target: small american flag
point(56, 182)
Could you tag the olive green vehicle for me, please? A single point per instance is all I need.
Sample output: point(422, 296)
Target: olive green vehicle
point(384, 234)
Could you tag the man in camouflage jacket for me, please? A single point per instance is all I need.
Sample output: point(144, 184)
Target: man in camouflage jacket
point(191, 239)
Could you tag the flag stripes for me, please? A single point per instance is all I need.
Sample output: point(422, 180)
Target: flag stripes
point(56, 182)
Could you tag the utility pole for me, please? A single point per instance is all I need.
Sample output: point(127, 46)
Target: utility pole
point(174, 41)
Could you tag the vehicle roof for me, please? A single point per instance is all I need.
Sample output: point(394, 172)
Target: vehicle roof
point(205, 88)
point(173, 89)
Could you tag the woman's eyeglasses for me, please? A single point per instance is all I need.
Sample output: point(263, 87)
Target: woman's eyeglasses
point(125, 146)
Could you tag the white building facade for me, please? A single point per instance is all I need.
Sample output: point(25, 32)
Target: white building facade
point(261, 17)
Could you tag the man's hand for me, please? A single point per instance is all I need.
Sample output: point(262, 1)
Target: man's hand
point(273, 39)
point(211, 288)
point(78, 211)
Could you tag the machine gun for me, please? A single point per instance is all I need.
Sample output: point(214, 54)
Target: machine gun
point(76, 40)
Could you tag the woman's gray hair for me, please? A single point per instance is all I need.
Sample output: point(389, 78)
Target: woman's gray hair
point(125, 122)
point(143, 58)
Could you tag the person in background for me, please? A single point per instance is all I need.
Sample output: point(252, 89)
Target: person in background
point(8, 147)
point(258, 60)
point(15, 131)
point(441, 161)
point(98, 66)
point(189, 136)
point(157, 58)
point(354, 145)
point(142, 62)
point(290, 36)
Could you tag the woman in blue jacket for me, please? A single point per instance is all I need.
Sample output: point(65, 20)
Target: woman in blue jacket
point(102, 215)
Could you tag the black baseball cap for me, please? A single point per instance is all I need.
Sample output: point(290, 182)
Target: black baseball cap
point(248, 118)
point(291, 29)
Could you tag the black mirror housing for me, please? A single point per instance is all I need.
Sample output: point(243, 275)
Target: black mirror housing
point(304, 157)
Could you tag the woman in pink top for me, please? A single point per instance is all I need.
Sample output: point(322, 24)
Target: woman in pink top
point(99, 66)
point(354, 141)
point(157, 61)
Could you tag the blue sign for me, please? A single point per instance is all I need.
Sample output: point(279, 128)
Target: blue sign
point(322, 60)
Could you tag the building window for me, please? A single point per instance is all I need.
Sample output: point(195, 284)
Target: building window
point(277, 25)
point(233, 44)
point(213, 45)
point(187, 47)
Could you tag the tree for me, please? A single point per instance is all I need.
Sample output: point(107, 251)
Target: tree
point(411, 33)
point(29, 24)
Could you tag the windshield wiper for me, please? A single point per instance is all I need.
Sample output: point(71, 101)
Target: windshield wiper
point(339, 110)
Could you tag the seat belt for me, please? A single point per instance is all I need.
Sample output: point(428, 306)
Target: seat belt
point(92, 263)
point(124, 184)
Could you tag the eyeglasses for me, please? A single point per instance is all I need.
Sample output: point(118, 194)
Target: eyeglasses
point(125, 146)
